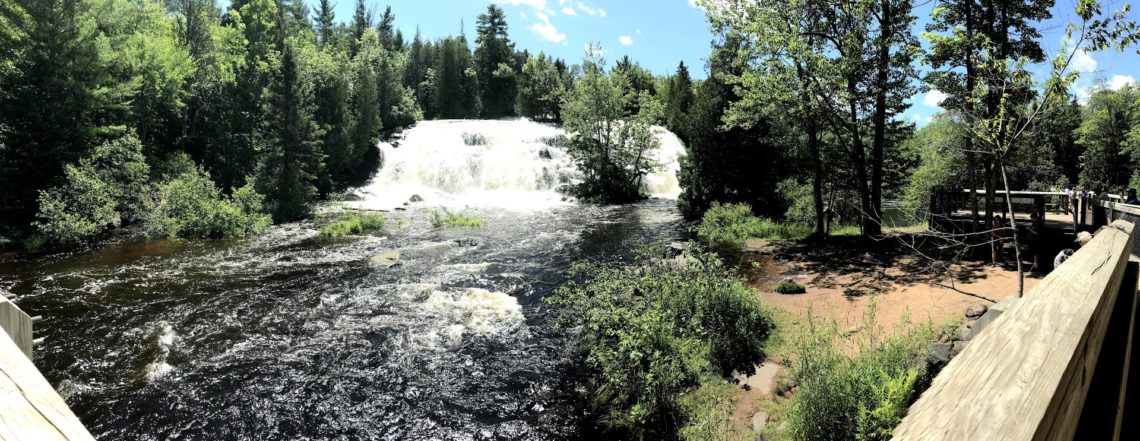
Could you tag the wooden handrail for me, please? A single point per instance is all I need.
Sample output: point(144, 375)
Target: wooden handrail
point(1027, 375)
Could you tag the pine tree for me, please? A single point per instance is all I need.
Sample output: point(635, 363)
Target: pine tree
point(365, 100)
point(678, 100)
point(495, 63)
point(326, 22)
point(290, 152)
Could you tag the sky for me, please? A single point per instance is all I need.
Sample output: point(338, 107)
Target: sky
point(660, 33)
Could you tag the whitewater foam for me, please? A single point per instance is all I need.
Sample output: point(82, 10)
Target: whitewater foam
point(473, 313)
point(518, 165)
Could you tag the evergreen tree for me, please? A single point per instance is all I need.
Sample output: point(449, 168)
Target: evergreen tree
point(678, 99)
point(495, 63)
point(365, 101)
point(290, 151)
point(326, 22)
point(52, 100)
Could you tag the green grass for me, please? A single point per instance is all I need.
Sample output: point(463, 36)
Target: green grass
point(789, 286)
point(455, 220)
point(730, 225)
point(353, 223)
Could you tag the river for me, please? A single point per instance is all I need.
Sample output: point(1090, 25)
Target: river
point(292, 336)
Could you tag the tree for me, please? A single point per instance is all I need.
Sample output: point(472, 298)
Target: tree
point(54, 99)
point(494, 63)
point(365, 102)
point(326, 22)
point(290, 152)
point(612, 148)
point(1110, 122)
point(678, 99)
point(540, 90)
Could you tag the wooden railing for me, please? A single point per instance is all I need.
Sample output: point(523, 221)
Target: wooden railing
point(1054, 366)
point(30, 409)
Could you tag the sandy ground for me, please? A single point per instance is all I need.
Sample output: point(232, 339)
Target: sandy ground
point(841, 286)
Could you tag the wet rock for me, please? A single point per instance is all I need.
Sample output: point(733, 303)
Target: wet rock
point(401, 209)
point(675, 250)
point(385, 259)
point(466, 242)
point(352, 197)
point(759, 422)
point(415, 198)
point(976, 310)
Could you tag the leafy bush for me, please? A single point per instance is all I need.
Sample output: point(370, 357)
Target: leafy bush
point(728, 226)
point(102, 191)
point(450, 220)
point(190, 206)
point(789, 286)
point(861, 397)
point(651, 331)
point(708, 410)
point(353, 223)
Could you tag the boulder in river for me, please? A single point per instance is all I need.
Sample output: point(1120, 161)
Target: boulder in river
point(674, 250)
point(415, 198)
point(385, 259)
point(466, 242)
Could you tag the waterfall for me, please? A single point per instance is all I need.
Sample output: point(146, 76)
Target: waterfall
point(512, 164)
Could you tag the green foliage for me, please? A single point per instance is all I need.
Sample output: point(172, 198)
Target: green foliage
point(353, 223)
point(612, 147)
point(789, 286)
point(652, 331)
point(541, 88)
point(190, 206)
point(728, 226)
point(451, 219)
point(495, 63)
point(1110, 132)
point(104, 190)
point(708, 410)
point(941, 161)
point(860, 397)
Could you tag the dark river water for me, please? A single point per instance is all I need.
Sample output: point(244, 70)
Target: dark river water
point(291, 336)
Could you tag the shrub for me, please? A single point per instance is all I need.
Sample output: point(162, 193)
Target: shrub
point(727, 226)
point(861, 397)
point(454, 220)
point(102, 191)
point(789, 286)
point(353, 223)
point(650, 332)
point(190, 206)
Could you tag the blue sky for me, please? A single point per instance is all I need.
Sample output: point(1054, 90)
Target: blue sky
point(660, 33)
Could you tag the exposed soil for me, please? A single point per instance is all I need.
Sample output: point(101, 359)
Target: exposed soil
point(843, 277)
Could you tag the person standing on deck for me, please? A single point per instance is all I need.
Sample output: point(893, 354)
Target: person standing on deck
point(996, 239)
point(1131, 199)
point(1033, 237)
point(1075, 205)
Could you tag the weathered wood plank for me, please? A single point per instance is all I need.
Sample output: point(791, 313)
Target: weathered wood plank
point(17, 324)
point(1027, 375)
point(30, 409)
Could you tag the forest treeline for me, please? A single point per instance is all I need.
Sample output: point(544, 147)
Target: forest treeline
point(266, 101)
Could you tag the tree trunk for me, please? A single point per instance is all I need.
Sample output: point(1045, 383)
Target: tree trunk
point(880, 119)
point(1016, 243)
point(870, 227)
point(816, 179)
point(971, 161)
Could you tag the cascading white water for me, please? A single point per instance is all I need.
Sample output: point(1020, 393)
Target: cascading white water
point(512, 164)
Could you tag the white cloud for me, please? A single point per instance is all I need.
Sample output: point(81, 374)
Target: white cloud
point(638, 30)
point(933, 98)
point(1119, 81)
point(694, 4)
point(582, 7)
point(546, 29)
point(917, 118)
point(1082, 62)
point(536, 4)
point(625, 40)
point(569, 11)
point(1083, 94)
point(523, 15)
point(602, 12)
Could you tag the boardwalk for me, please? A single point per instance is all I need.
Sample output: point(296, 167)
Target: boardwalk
point(30, 409)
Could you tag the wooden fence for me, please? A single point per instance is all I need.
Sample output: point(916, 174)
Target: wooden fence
point(30, 409)
point(1055, 366)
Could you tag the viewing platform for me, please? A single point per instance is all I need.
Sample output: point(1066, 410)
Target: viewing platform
point(1057, 363)
point(30, 408)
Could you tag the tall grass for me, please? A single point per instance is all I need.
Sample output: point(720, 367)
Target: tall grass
point(730, 225)
point(354, 222)
point(454, 220)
